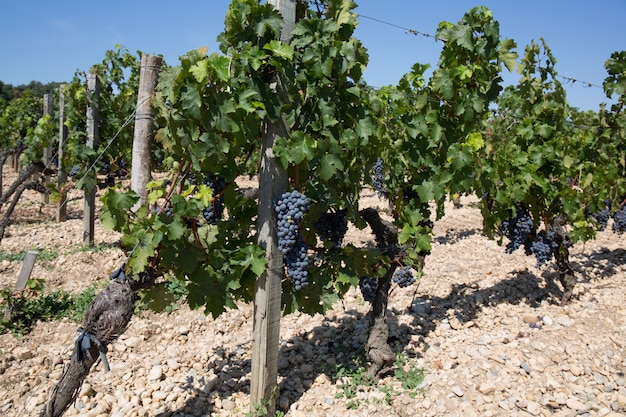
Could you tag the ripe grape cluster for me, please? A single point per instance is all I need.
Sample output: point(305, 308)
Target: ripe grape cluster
point(106, 167)
point(332, 226)
point(213, 213)
point(378, 177)
point(368, 287)
point(619, 220)
point(74, 172)
point(403, 276)
point(290, 209)
point(544, 247)
point(519, 230)
point(601, 216)
point(122, 169)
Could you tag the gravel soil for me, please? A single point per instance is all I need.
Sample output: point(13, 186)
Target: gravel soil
point(486, 327)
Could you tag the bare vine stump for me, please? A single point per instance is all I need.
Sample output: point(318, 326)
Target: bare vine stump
point(65, 392)
point(561, 255)
point(566, 274)
point(105, 320)
point(378, 350)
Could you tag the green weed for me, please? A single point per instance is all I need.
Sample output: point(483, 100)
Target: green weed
point(22, 309)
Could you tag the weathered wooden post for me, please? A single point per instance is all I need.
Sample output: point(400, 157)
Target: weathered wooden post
point(48, 108)
point(273, 183)
point(89, 212)
point(61, 174)
point(22, 279)
point(144, 124)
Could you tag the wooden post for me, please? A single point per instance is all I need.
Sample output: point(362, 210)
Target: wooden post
point(48, 108)
point(61, 174)
point(144, 124)
point(25, 272)
point(89, 212)
point(273, 182)
point(27, 269)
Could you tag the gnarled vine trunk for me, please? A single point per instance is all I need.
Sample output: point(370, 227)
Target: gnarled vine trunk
point(105, 320)
point(566, 274)
point(22, 183)
point(378, 350)
point(561, 256)
point(64, 393)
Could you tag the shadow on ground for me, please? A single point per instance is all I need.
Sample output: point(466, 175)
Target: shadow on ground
point(343, 339)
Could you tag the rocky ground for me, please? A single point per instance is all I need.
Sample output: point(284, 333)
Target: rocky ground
point(486, 327)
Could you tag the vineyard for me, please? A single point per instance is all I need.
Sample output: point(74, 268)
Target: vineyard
point(258, 232)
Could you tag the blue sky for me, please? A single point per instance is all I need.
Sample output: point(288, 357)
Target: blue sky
point(48, 41)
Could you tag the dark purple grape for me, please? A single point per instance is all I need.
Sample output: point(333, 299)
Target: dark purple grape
point(213, 213)
point(520, 230)
point(619, 220)
point(290, 209)
point(368, 287)
point(332, 227)
point(378, 178)
point(403, 277)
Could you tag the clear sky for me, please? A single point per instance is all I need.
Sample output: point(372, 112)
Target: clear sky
point(49, 40)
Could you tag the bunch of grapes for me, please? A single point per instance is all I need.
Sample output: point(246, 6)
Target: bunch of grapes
point(168, 210)
point(378, 178)
point(290, 209)
point(213, 213)
point(74, 172)
point(332, 227)
point(544, 247)
point(122, 169)
point(602, 216)
point(519, 230)
point(191, 179)
point(106, 167)
point(619, 220)
point(403, 277)
point(368, 287)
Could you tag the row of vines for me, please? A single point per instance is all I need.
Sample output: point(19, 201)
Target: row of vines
point(548, 175)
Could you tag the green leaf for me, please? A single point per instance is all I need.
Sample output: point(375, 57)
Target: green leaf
point(462, 35)
point(191, 101)
point(200, 71)
point(422, 243)
point(508, 58)
point(329, 166)
point(221, 66)
point(459, 155)
point(252, 257)
point(280, 49)
point(176, 229)
point(475, 141)
point(302, 147)
point(568, 161)
point(143, 250)
point(245, 101)
point(114, 213)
